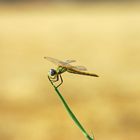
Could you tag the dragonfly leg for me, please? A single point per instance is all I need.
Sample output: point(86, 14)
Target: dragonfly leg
point(55, 78)
point(60, 81)
point(50, 79)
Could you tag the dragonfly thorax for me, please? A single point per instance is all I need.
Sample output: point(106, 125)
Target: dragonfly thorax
point(52, 72)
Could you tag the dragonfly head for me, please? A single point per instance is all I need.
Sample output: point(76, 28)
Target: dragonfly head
point(52, 72)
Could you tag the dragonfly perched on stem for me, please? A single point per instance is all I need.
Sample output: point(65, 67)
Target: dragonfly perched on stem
point(63, 66)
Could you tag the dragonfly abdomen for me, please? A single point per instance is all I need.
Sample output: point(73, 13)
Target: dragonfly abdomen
point(82, 73)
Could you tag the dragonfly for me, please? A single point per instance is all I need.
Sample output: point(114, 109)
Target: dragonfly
point(64, 66)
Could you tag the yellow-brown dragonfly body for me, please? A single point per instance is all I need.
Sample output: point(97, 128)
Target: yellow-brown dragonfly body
point(53, 74)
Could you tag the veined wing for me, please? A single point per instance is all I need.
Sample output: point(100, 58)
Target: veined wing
point(58, 62)
point(70, 61)
point(74, 71)
point(81, 68)
point(66, 64)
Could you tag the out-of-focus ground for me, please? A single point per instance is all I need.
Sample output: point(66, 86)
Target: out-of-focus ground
point(103, 37)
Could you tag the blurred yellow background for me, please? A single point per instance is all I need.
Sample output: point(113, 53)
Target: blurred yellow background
point(104, 37)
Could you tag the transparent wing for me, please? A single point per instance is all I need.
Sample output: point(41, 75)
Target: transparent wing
point(60, 63)
point(81, 68)
point(66, 64)
point(70, 61)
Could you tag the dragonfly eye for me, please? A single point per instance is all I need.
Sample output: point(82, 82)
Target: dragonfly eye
point(52, 72)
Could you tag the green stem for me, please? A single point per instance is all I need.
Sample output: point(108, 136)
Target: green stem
point(71, 113)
